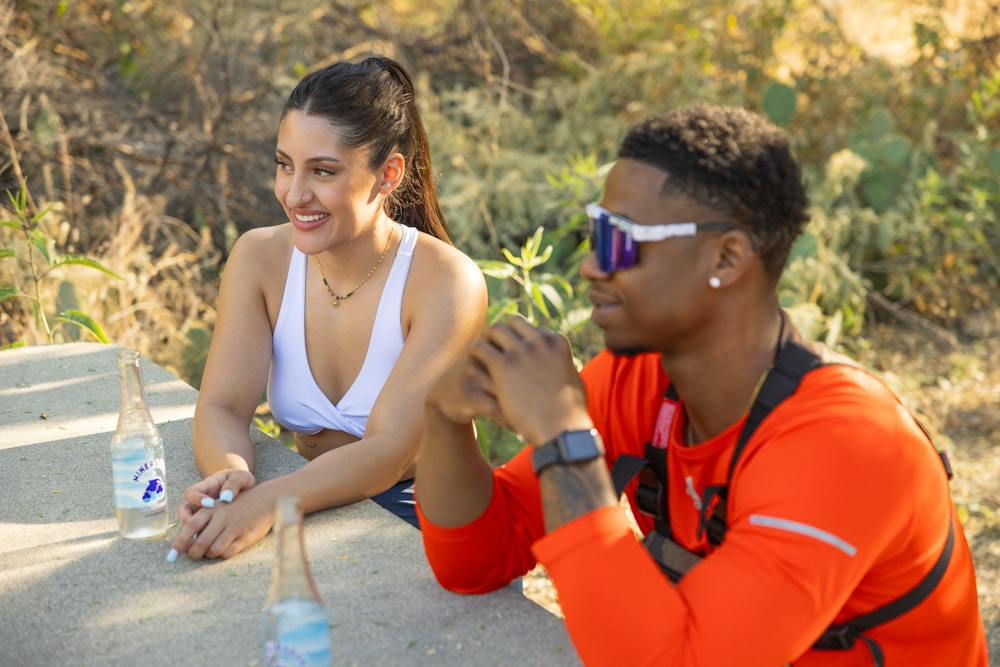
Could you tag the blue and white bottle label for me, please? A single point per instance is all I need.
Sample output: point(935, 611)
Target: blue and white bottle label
point(139, 479)
point(296, 634)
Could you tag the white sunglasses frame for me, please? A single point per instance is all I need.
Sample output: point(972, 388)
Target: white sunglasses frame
point(641, 233)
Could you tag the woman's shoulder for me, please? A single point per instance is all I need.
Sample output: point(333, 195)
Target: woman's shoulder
point(268, 246)
point(444, 285)
point(436, 261)
point(266, 235)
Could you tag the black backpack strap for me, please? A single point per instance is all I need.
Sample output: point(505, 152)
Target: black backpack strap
point(842, 636)
point(625, 469)
point(654, 460)
point(651, 491)
point(791, 363)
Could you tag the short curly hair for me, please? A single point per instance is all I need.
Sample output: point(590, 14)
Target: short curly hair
point(734, 161)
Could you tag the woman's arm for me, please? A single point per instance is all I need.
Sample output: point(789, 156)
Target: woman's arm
point(444, 307)
point(239, 357)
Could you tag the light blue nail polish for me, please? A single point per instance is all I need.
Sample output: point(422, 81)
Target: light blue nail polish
point(207, 502)
point(226, 496)
point(172, 556)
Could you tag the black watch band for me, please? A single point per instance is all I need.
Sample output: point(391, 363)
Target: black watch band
point(568, 447)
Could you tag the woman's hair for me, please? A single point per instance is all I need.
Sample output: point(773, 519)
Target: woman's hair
point(372, 106)
point(731, 160)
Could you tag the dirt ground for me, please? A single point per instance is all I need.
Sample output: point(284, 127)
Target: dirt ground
point(955, 391)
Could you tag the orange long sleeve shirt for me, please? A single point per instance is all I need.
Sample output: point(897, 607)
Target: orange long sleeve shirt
point(838, 505)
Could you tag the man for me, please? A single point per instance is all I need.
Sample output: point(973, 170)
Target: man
point(794, 494)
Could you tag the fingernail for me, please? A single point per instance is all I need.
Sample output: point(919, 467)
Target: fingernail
point(207, 502)
point(172, 556)
point(226, 496)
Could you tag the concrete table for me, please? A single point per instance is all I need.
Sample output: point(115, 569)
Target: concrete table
point(72, 592)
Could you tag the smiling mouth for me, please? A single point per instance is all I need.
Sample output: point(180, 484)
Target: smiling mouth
point(598, 301)
point(310, 218)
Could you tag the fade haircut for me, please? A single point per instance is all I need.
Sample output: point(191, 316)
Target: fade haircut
point(731, 160)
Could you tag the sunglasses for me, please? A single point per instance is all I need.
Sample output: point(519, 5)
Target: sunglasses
point(616, 240)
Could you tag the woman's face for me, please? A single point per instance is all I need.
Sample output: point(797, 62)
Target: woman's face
point(328, 191)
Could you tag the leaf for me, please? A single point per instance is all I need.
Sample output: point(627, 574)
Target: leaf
point(19, 200)
point(883, 237)
point(499, 310)
point(41, 214)
point(805, 246)
point(993, 160)
point(80, 260)
point(562, 283)
point(552, 295)
point(6, 252)
point(532, 245)
point(39, 241)
point(495, 269)
point(879, 125)
point(879, 188)
point(8, 293)
point(779, 103)
point(539, 300)
point(896, 150)
point(516, 261)
point(85, 321)
point(536, 260)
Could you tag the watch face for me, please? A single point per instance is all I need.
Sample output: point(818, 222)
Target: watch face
point(579, 445)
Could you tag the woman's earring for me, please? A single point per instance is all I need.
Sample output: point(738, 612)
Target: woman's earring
point(714, 282)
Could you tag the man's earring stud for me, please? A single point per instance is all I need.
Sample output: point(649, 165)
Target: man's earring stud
point(714, 282)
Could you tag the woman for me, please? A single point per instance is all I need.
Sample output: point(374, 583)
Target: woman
point(346, 314)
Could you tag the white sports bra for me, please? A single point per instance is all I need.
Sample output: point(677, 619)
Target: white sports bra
point(295, 399)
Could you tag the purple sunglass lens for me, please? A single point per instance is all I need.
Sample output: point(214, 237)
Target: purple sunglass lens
point(614, 247)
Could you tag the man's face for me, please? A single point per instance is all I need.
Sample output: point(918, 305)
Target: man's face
point(658, 304)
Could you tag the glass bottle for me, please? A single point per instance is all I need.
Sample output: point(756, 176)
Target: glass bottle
point(137, 462)
point(294, 625)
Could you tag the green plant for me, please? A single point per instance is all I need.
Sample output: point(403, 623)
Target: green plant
point(36, 253)
point(543, 292)
point(535, 294)
point(540, 281)
point(887, 154)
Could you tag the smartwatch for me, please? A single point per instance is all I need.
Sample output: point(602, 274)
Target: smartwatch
point(568, 447)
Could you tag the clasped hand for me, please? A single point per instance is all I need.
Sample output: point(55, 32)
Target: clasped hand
point(521, 376)
point(222, 514)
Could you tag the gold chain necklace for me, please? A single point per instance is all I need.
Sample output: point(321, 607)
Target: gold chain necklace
point(336, 298)
point(689, 428)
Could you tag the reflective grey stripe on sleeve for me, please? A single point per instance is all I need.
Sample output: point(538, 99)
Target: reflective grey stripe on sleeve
point(803, 529)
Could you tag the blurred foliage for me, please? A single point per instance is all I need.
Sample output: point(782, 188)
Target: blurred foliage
point(149, 129)
point(33, 250)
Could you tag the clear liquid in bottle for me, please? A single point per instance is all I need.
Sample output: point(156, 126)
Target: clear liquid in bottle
point(294, 627)
point(137, 464)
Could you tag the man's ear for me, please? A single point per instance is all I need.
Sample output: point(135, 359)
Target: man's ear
point(391, 173)
point(735, 254)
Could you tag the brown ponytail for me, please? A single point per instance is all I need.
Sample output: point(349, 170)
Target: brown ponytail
point(372, 105)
